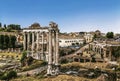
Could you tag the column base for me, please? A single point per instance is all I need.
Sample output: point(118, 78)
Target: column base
point(49, 69)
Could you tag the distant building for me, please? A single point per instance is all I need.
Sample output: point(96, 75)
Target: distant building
point(98, 32)
point(88, 37)
point(65, 41)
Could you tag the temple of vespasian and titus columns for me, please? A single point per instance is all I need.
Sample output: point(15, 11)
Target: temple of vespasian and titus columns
point(42, 43)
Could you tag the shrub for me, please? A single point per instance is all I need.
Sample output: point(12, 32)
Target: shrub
point(110, 66)
point(29, 60)
point(64, 61)
point(68, 67)
point(11, 74)
point(24, 55)
point(118, 68)
point(3, 77)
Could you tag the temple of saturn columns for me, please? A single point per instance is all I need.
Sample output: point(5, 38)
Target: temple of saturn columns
point(42, 43)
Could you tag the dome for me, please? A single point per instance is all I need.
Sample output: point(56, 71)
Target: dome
point(97, 31)
point(35, 25)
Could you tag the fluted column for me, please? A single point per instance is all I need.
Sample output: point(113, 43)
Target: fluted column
point(28, 41)
point(47, 42)
point(42, 55)
point(54, 46)
point(47, 46)
point(33, 39)
point(37, 49)
point(24, 44)
point(57, 48)
point(37, 41)
point(50, 55)
point(57, 53)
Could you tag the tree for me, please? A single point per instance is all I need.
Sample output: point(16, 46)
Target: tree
point(29, 60)
point(14, 26)
point(64, 61)
point(110, 35)
point(13, 40)
point(116, 52)
point(24, 56)
point(62, 53)
point(0, 24)
point(11, 74)
point(8, 29)
point(8, 75)
point(1, 41)
point(5, 26)
point(6, 41)
point(95, 36)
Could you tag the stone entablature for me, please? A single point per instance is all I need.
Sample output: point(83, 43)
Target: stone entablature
point(35, 30)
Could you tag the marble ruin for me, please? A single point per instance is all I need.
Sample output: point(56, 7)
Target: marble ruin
point(42, 43)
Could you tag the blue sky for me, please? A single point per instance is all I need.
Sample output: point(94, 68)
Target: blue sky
point(71, 15)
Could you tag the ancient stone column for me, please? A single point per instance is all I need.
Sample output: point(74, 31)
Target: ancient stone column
point(28, 41)
point(47, 46)
point(24, 44)
point(33, 39)
point(99, 50)
point(37, 41)
point(54, 46)
point(38, 56)
point(50, 55)
point(89, 47)
point(57, 48)
point(104, 56)
point(110, 53)
point(93, 48)
point(42, 55)
point(104, 53)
